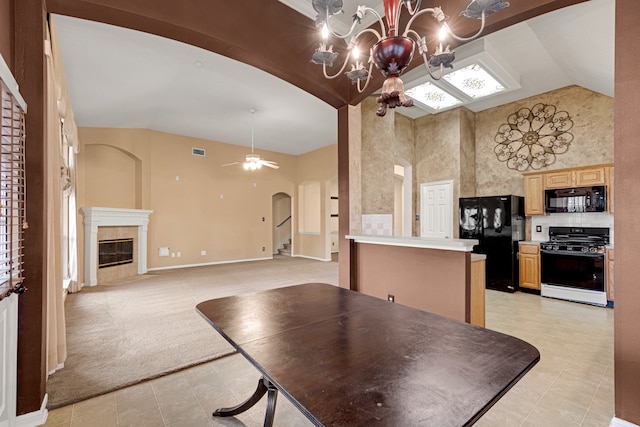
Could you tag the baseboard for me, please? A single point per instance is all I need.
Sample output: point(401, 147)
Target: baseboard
point(617, 422)
point(36, 418)
point(311, 257)
point(208, 263)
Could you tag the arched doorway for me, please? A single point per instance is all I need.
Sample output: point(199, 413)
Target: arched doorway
point(281, 214)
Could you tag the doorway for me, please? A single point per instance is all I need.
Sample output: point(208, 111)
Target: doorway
point(436, 209)
point(281, 214)
point(403, 196)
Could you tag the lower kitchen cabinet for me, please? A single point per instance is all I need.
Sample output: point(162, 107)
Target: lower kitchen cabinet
point(529, 266)
point(609, 275)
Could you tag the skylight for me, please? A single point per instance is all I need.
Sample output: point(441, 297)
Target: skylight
point(432, 96)
point(474, 81)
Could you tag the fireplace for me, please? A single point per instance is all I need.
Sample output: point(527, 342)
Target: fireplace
point(115, 226)
point(114, 252)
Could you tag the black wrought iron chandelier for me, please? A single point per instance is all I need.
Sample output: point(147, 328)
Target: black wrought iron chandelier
point(392, 52)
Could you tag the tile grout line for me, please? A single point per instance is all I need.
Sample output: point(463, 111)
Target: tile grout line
point(155, 397)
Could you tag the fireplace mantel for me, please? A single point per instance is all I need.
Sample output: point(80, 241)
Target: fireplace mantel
point(111, 217)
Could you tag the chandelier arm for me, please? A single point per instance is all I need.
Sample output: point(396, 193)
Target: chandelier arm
point(360, 90)
point(409, 32)
point(327, 76)
point(428, 67)
point(413, 18)
point(365, 9)
point(412, 12)
point(466, 39)
point(368, 30)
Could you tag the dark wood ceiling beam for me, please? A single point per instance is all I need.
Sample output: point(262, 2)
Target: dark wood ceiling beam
point(271, 36)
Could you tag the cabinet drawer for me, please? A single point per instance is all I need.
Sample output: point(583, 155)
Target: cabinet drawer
point(529, 249)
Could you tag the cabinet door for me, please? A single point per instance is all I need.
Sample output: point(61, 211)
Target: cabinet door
point(610, 192)
point(534, 195)
point(530, 267)
point(590, 176)
point(609, 279)
point(562, 179)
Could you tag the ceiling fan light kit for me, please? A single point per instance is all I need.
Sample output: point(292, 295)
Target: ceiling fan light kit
point(253, 161)
point(392, 52)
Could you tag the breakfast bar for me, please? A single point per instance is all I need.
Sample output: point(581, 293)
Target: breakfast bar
point(441, 276)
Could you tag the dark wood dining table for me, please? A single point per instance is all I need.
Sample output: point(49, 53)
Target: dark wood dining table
point(348, 359)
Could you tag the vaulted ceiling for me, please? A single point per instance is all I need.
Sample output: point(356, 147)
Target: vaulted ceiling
point(121, 74)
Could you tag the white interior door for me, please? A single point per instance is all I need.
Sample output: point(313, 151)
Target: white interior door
point(436, 209)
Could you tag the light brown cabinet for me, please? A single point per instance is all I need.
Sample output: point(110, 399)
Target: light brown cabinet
point(590, 176)
point(529, 266)
point(534, 195)
point(609, 275)
point(560, 179)
point(610, 192)
point(536, 182)
point(579, 177)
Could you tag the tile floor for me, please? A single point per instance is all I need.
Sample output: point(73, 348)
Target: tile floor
point(572, 385)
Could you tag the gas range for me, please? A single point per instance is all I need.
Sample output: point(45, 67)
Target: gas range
point(572, 264)
point(577, 239)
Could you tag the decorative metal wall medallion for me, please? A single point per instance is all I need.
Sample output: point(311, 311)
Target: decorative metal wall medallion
point(532, 138)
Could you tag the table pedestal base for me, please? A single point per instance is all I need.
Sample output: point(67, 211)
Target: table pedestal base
point(264, 386)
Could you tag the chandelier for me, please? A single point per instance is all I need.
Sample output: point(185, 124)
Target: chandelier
point(392, 52)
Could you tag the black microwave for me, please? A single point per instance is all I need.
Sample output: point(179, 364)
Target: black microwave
point(579, 199)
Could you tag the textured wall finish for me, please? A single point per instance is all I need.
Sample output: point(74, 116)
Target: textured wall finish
point(467, 153)
point(592, 116)
point(355, 170)
point(377, 160)
point(459, 145)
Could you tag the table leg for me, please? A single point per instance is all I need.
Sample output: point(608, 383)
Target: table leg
point(264, 386)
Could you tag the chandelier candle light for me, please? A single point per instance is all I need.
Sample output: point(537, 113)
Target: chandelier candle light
point(392, 53)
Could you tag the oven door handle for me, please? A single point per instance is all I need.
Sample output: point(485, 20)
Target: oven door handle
point(572, 253)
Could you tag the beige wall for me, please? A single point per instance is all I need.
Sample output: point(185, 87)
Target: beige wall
point(198, 204)
point(317, 166)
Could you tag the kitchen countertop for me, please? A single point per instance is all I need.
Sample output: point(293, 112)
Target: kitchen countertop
point(462, 245)
point(530, 242)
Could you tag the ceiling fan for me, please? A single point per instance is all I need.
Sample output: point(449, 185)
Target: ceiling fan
point(253, 161)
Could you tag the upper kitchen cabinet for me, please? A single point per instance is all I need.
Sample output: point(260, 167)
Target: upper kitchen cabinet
point(610, 189)
point(534, 194)
point(559, 179)
point(579, 177)
point(535, 183)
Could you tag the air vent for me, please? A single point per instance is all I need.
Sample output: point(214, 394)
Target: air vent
point(197, 152)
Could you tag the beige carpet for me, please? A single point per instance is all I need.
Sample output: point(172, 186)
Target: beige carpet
point(133, 330)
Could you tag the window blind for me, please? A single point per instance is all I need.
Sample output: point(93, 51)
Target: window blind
point(12, 194)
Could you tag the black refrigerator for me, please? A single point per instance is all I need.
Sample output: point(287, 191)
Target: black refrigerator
point(497, 222)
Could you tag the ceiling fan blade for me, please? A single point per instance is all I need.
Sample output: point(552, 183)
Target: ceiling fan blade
point(269, 164)
point(229, 164)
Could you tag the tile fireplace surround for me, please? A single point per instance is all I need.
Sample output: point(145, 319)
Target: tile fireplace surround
point(112, 217)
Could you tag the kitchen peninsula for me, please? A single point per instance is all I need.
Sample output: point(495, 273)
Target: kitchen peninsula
point(441, 276)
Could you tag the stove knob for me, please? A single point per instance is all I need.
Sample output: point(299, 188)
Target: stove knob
point(556, 247)
point(593, 249)
point(585, 249)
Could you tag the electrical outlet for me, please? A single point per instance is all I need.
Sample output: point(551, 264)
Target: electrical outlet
point(203, 253)
point(178, 254)
point(264, 249)
point(538, 228)
point(391, 298)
